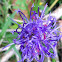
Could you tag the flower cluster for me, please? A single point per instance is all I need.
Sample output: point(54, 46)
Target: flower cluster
point(38, 37)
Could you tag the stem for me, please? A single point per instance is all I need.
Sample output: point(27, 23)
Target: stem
point(52, 5)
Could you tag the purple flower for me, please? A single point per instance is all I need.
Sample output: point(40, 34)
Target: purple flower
point(38, 37)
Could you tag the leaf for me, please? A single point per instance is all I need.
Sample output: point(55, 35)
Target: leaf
point(9, 49)
point(0, 12)
point(14, 26)
point(12, 16)
point(27, 8)
point(32, 1)
point(53, 60)
point(21, 4)
point(11, 36)
point(18, 2)
point(13, 46)
point(6, 25)
point(17, 52)
point(16, 7)
point(10, 41)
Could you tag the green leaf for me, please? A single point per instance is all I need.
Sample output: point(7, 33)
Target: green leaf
point(12, 16)
point(18, 2)
point(17, 52)
point(32, 1)
point(9, 49)
point(6, 25)
point(21, 4)
point(0, 12)
point(14, 26)
point(27, 8)
point(13, 46)
point(11, 36)
point(53, 60)
point(51, 2)
point(16, 7)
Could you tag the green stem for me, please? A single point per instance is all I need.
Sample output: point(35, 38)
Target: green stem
point(53, 60)
point(52, 5)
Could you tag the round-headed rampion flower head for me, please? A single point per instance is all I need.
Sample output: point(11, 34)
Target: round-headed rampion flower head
point(38, 37)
